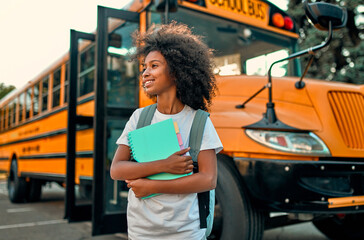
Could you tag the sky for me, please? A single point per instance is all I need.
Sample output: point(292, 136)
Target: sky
point(36, 33)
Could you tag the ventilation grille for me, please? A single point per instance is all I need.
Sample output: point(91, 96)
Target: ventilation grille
point(348, 109)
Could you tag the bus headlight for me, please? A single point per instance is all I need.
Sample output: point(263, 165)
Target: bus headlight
point(301, 143)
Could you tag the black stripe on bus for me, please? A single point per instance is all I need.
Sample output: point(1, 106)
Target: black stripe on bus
point(85, 154)
point(45, 176)
point(3, 158)
point(44, 135)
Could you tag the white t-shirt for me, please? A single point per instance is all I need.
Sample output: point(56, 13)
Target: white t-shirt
point(168, 216)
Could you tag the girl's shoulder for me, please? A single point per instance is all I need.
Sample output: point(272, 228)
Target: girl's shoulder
point(135, 116)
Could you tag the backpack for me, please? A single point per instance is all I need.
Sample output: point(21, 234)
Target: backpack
point(206, 200)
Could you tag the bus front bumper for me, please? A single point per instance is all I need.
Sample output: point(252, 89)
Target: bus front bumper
point(304, 186)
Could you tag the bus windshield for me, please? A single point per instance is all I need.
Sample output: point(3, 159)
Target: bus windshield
point(239, 48)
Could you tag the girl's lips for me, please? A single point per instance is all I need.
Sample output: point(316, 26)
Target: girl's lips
point(147, 83)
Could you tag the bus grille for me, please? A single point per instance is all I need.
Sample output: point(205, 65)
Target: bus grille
point(348, 109)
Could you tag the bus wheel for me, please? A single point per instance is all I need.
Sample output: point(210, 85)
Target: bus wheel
point(235, 217)
point(34, 190)
point(17, 186)
point(348, 226)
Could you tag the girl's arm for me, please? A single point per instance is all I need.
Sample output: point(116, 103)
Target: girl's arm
point(122, 168)
point(202, 181)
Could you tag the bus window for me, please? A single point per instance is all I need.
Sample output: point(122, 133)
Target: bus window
point(6, 112)
point(28, 99)
point(236, 45)
point(12, 113)
point(87, 73)
point(66, 84)
point(122, 81)
point(36, 99)
point(45, 94)
point(56, 87)
point(260, 65)
point(21, 106)
point(1, 119)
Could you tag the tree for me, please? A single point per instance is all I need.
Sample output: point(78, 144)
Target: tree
point(5, 89)
point(343, 60)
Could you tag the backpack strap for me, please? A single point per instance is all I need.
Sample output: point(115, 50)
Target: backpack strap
point(146, 115)
point(196, 134)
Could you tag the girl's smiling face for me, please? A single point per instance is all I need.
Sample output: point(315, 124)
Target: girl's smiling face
point(157, 79)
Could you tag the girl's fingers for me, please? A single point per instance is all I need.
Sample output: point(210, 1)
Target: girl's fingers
point(183, 151)
point(128, 183)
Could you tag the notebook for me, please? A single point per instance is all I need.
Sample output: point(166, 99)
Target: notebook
point(155, 142)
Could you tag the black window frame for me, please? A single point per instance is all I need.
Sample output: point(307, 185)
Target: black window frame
point(86, 69)
point(28, 102)
point(45, 94)
point(35, 102)
point(56, 88)
point(66, 83)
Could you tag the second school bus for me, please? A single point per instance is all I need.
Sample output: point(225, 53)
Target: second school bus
point(293, 152)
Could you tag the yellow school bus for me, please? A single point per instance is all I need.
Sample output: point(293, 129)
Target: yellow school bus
point(293, 147)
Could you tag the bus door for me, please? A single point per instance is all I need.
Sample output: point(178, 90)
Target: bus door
point(116, 97)
point(77, 208)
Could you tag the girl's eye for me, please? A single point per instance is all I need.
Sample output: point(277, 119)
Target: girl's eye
point(142, 71)
point(154, 65)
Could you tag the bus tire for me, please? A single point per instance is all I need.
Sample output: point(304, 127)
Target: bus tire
point(235, 217)
point(17, 186)
point(349, 227)
point(34, 190)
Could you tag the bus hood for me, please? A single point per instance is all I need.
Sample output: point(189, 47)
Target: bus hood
point(293, 106)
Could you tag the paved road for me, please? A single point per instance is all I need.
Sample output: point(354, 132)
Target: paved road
point(44, 220)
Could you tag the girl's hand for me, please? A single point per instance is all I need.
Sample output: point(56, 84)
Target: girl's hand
point(140, 187)
point(179, 164)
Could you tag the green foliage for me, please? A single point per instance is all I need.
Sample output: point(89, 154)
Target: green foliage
point(343, 60)
point(5, 89)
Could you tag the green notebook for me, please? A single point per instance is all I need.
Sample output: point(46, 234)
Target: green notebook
point(155, 142)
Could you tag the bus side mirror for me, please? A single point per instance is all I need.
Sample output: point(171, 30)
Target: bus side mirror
point(161, 5)
point(320, 14)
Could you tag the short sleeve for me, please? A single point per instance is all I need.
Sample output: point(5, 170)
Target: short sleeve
point(130, 126)
point(210, 139)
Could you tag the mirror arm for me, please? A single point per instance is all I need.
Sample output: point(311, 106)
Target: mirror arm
point(299, 84)
point(255, 94)
point(310, 51)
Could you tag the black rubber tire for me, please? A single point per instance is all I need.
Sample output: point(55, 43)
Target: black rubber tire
point(34, 190)
point(17, 186)
point(349, 227)
point(235, 217)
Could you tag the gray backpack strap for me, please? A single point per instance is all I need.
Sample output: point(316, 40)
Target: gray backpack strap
point(146, 115)
point(196, 133)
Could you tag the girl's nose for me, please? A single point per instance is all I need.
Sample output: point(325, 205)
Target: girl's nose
point(145, 72)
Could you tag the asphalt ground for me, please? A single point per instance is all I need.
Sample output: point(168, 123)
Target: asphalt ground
point(44, 220)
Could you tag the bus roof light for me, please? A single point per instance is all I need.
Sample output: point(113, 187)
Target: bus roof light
point(278, 20)
point(288, 23)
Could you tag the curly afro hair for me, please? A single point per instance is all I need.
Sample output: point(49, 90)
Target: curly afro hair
point(190, 61)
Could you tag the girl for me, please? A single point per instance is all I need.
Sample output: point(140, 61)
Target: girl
point(178, 72)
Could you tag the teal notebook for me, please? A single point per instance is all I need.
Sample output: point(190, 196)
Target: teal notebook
point(155, 142)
